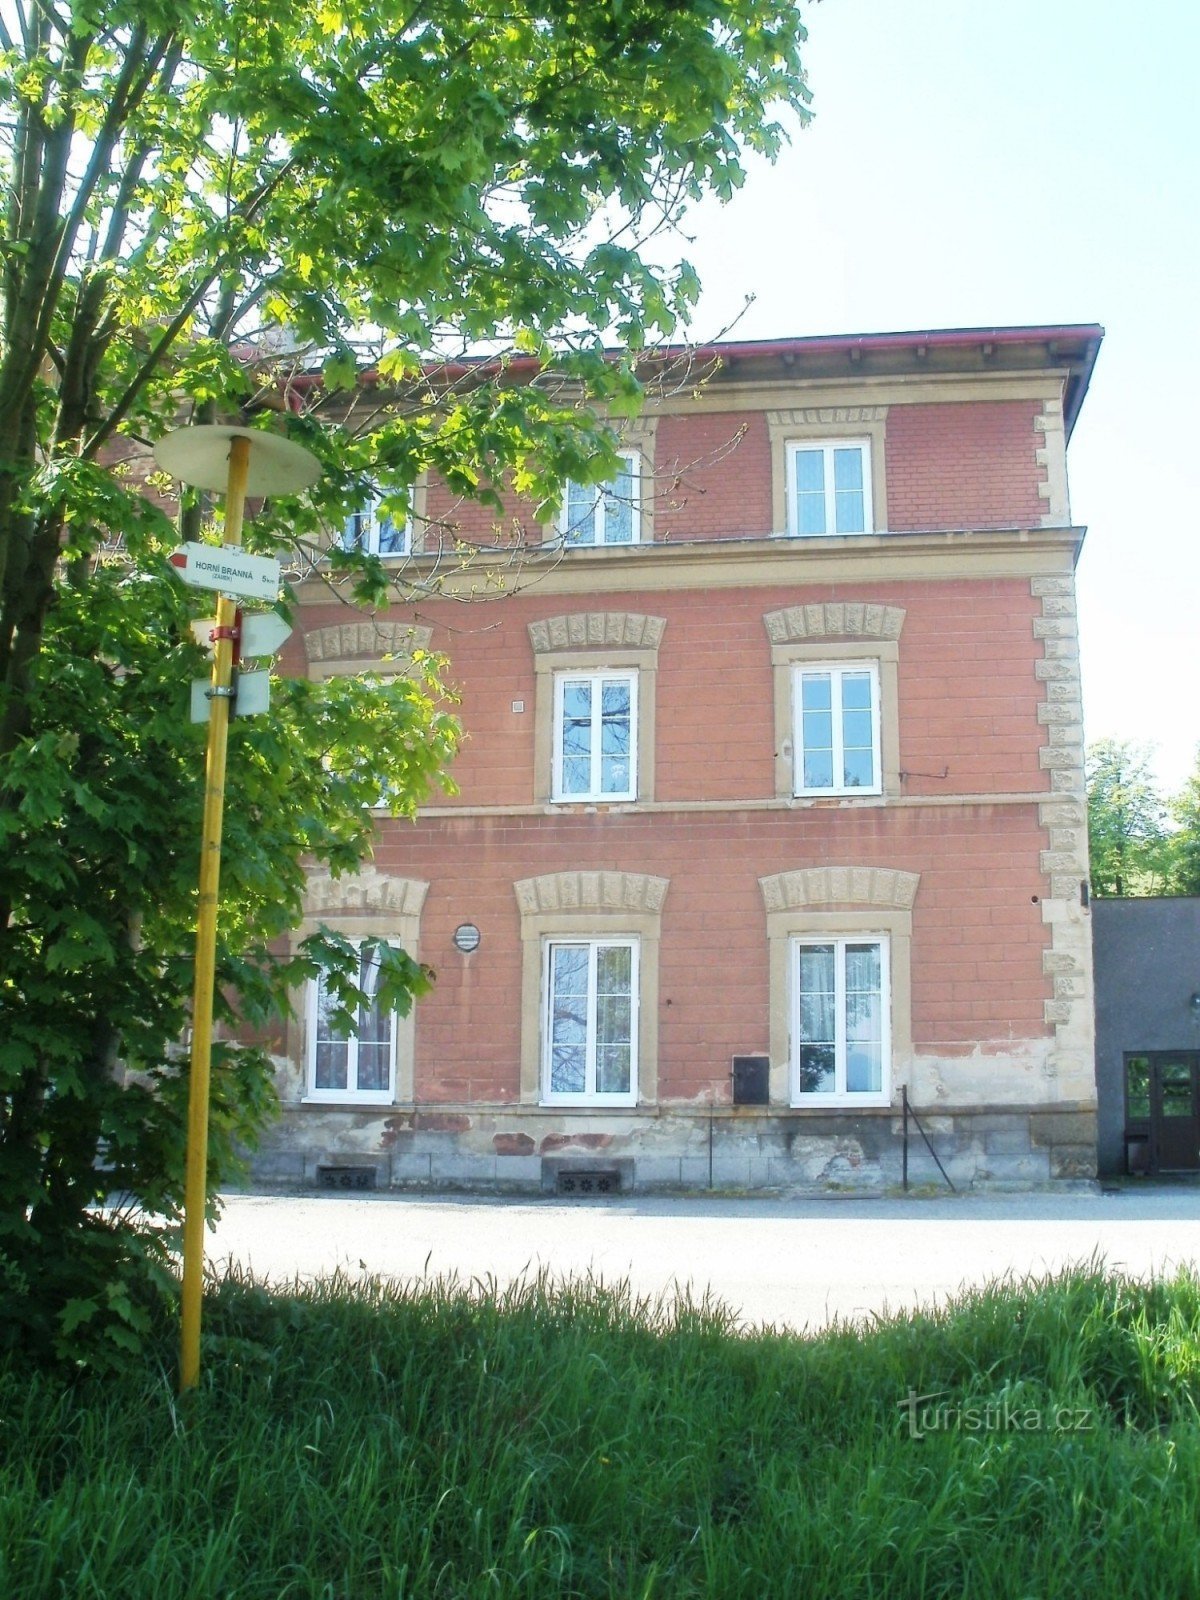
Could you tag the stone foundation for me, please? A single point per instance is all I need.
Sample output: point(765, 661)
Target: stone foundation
point(734, 1149)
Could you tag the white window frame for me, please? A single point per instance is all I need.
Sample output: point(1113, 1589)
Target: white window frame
point(590, 1096)
point(601, 491)
point(597, 678)
point(826, 448)
point(837, 671)
point(369, 517)
point(841, 1096)
point(349, 1095)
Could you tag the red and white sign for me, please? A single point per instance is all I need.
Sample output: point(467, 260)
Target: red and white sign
point(229, 569)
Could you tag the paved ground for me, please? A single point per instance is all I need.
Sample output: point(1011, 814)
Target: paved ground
point(792, 1262)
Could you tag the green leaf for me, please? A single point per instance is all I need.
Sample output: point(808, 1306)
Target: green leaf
point(76, 1312)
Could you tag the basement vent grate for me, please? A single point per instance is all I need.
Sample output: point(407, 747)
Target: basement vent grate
point(347, 1177)
point(606, 1181)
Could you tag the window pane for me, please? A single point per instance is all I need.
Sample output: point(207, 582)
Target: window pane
point(614, 701)
point(374, 1042)
point(576, 737)
point(577, 699)
point(858, 770)
point(391, 537)
point(1176, 1080)
point(810, 472)
point(618, 507)
point(816, 1069)
point(810, 513)
point(569, 964)
point(864, 1014)
point(374, 1063)
point(576, 775)
point(810, 491)
point(817, 973)
point(355, 530)
point(816, 730)
point(614, 969)
point(614, 775)
point(847, 469)
point(864, 1067)
point(568, 1069)
point(325, 1024)
point(582, 501)
point(816, 692)
point(614, 719)
point(818, 769)
point(856, 691)
point(849, 502)
point(816, 979)
point(864, 1019)
point(332, 1060)
point(568, 1018)
point(614, 738)
point(848, 512)
point(862, 969)
point(856, 730)
point(816, 1017)
point(613, 1069)
point(1137, 1088)
point(614, 1019)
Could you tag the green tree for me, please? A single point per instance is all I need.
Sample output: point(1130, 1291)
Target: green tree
point(1185, 841)
point(1128, 835)
point(209, 203)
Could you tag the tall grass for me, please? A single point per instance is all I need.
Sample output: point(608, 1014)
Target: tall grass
point(449, 1440)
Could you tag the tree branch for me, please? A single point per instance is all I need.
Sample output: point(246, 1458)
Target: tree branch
point(28, 330)
point(172, 331)
point(104, 142)
point(127, 95)
point(62, 24)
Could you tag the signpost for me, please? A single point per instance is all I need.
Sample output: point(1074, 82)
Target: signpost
point(209, 566)
point(253, 636)
point(241, 461)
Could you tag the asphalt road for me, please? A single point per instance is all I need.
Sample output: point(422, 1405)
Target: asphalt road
point(794, 1263)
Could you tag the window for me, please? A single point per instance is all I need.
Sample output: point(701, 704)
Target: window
point(591, 1025)
point(575, 1004)
point(586, 647)
point(836, 741)
point(360, 1067)
point(841, 1042)
point(375, 531)
point(829, 487)
point(595, 736)
point(1137, 1088)
point(824, 705)
point(606, 513)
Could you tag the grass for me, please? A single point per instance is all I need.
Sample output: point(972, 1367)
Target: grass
point(444, 1441)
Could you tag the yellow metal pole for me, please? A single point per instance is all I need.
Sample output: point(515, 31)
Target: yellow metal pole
point(195, 1181)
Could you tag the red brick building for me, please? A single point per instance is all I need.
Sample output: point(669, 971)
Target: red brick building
point(773, 751)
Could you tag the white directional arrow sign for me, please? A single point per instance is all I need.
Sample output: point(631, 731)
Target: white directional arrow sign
point(229, 569)
point(262, 634)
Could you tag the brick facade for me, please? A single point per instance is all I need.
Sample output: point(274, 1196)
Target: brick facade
point(965, 865)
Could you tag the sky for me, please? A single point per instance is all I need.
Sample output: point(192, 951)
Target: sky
point(976, 165)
